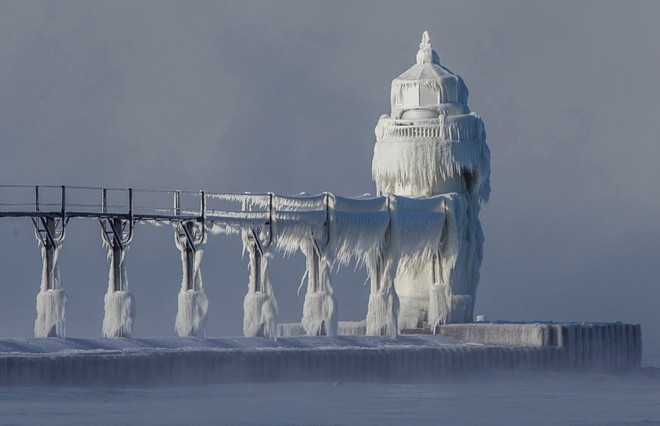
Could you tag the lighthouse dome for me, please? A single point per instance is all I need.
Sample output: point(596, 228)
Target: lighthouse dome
point(427, 89)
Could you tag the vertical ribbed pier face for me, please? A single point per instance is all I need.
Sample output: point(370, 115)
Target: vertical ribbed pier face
point(432, 144)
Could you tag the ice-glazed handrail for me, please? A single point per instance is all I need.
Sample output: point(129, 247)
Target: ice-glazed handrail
point(269, 213)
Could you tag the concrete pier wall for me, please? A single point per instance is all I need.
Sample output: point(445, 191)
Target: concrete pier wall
point(456, 349)
point(396, 364)
point(582, 345)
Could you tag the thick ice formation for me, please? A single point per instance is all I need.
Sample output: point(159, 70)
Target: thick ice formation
point(192, 302)
point(383, 308)
point(319, 309)
point(51, 300)
point(432, 144)
point(119, 303)
point(119, 314)
point(425, 250)
point(383, 233)
point(259, 305)
point(361, 230)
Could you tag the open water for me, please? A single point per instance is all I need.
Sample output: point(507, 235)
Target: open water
point(493, 398)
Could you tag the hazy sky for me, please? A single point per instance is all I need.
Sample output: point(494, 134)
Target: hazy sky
point(284, 97)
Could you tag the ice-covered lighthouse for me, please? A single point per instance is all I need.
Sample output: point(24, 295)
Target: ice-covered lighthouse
point(432, 144)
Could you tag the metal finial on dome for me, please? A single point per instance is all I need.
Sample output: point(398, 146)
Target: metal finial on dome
point(426, 55)
point(426, 40)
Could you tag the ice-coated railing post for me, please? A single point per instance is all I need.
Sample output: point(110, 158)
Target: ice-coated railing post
point(63, 203)
point(259, 305)
point(320, 306)
point(439, 290)
point(51, 300)
point(119, 303)
point(383, 309)
point(255, 270)
point(190, 236)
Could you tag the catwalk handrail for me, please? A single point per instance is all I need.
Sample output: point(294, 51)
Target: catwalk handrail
point(64, 209)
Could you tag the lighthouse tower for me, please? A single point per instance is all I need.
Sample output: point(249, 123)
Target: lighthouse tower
point(432, 144)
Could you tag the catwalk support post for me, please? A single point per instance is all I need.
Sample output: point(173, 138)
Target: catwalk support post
point(259, 305)
point(119, 304)
point(190, 236)
point(51, 300)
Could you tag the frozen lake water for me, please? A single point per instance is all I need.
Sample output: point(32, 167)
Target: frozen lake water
point(500, 398)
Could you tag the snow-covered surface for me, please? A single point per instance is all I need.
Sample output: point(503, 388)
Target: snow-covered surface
point(344, 328)
point(81, 346)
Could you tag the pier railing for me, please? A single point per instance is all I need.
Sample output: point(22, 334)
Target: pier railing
point(360, 226)
point(66, 202)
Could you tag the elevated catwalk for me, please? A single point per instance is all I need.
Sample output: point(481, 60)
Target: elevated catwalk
point(427, 357)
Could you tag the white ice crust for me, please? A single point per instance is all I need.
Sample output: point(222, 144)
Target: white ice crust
point(119, 306)
point(51, 302)
point(419, 239)
point(259, 306)
point(192, 302)
point(431, 145)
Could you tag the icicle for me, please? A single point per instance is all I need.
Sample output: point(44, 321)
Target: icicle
point(319, 309)
point(382, 262)
point(192, 302)
point(191, 314)
point(357, 226)
point(439, 305)
point(51, 302)
point(119, 303)
point(461, 256)
point(419, 226)
point(119, 314)
point(420, 164)
point(383, 309)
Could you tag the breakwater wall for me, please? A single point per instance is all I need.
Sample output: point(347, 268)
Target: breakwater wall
point(454, 350)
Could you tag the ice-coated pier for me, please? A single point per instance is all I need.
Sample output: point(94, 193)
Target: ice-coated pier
point(458, 349)
point(581, 345)
point(419, 239)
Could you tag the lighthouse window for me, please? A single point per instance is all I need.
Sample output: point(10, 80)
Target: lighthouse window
point(411, 96)
point(427, 96)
